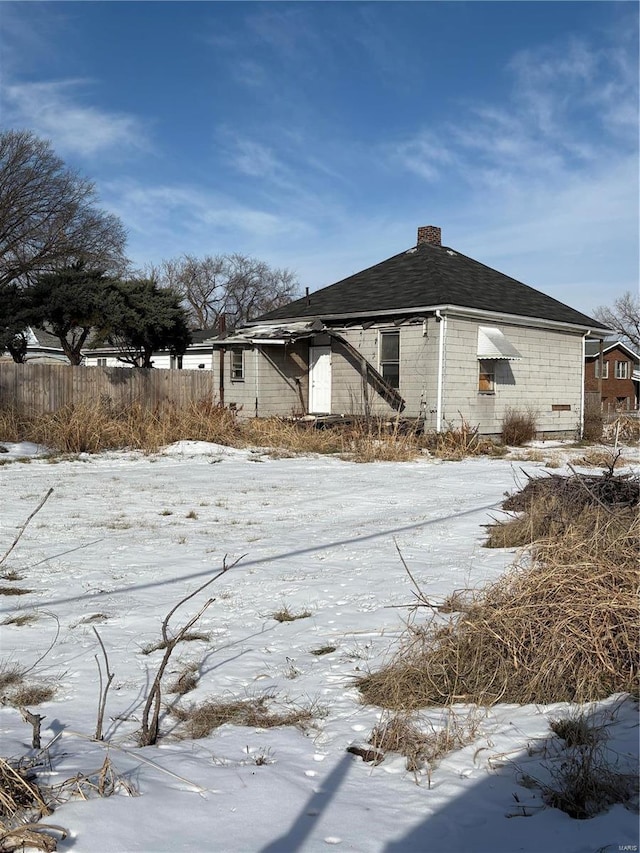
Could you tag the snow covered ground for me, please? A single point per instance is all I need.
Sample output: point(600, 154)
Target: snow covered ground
point(123, 537)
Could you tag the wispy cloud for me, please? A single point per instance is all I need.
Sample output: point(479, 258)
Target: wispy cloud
point(54, 110)
point(257, 160)
point(179, 218)
point(424, 154)
point(570, 107)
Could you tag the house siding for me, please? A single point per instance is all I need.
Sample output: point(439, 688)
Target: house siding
point(347, 386)
point(418, 370)
point(275, 381)
point(548, 375)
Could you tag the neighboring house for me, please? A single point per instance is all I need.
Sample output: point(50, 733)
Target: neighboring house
point(42, 348)
point(616, 384)
point(199, 355)
point(429, 333)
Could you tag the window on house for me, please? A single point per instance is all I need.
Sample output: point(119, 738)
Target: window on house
point(622, 369)
point(605, 369)
point(237, 364)
point(101, 362)
point(486, 376)
point(390, 357)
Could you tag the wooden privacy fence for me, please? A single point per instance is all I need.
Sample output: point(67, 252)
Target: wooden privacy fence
point(41, 388)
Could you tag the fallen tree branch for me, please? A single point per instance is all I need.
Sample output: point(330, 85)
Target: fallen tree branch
point(25, 525)
point(104, 689)
point(151, 712)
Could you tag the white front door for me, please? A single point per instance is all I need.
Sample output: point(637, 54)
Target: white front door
point(320, 380)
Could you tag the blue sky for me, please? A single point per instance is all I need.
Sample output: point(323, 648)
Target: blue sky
point(318, 136)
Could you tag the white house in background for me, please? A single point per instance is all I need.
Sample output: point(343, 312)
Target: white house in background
point(199, 355)
point(429, 332)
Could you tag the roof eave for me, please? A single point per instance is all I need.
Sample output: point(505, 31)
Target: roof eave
point(458, 310)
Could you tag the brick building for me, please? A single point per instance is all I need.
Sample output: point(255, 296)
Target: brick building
point(620, 375)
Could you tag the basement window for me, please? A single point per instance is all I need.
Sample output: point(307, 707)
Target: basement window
point(237, 365)
point(390, 358)
point(486, 376)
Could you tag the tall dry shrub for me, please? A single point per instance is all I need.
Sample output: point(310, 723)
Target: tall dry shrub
point(593, 420)
point(518, 427)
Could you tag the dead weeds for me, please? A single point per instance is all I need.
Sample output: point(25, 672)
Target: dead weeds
point(199, 721)
point(561, 625)
point(422, 743)
point(22, 805)
point(286, 615)
point(581, 776)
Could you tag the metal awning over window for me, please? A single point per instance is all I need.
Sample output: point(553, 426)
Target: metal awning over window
point(493, 344)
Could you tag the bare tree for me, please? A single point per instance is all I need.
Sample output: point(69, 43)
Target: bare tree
point(48, 215)
point(254, 288)
point(201, 284)
point(623, 317)
point(236, 286)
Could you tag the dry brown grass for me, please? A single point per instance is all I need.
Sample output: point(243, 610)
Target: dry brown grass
point(286, 615)
point(292, 436)
point(624, 428)
point(380, 440)
point(93, 427)
point(599, 457)
point(103, 782)
point(459, 442)
point(17, 692)
point(518, 427)
point(561, 626)
point(323, 650)
point(11, 575)
point(189, 637)
point(186, 681)
point(20, 619)
point(14, 590)
point(583, 777)
point(13, 424)
point(11, 676)
point(593, 420)
point(199, 721)
point(96, 426)
point(548, 506)
point(30, 694)
point(22, 803)
point(424, 744)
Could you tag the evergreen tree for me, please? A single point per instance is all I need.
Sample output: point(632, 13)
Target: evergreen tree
point(14, 319)
point(69, 304)
point(146, 318)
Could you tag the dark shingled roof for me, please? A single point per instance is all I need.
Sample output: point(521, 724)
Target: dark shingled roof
point(592, 348)
point(429, 276)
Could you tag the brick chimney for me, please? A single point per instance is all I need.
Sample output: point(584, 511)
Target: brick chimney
point(430, 234)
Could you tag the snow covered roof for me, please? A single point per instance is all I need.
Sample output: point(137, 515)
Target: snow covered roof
point(269, 334)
